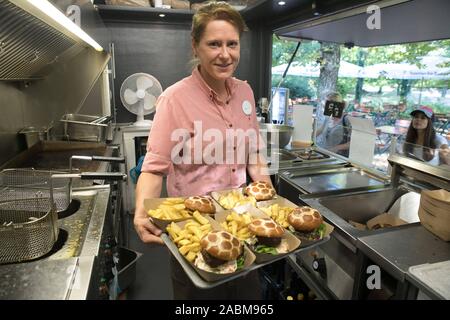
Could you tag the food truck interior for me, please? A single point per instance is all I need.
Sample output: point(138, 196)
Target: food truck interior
point(62, 96)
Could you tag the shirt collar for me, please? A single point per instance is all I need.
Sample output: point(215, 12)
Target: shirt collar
point(231, 83)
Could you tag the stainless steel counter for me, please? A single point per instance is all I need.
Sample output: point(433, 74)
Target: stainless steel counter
point(66, 272)
point(321, 180)
point(348, 194)
point(47, 279)
point(397, 250)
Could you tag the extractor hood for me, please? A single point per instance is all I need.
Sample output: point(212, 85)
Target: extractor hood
point(31, 44)
point(400, 21)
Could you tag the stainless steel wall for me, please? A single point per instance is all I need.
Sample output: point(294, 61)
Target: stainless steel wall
point(38, 103)
point(71, 87)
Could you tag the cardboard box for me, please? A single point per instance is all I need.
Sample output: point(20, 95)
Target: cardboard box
point(384, 220)
point(217, 194)
point(211, 276)
point(437, 225)
point(292, 241)
point(441, 195)
point(283, 202)
point(153, 204)
point(358, 225)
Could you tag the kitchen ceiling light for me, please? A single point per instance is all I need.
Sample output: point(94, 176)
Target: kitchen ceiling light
point(51, 11)
point(281, 3)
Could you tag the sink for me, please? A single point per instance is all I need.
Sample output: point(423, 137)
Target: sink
point(361, 207)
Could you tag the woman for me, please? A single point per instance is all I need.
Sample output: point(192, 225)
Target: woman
point(421, 139)
point(335, 131)
point(196, 139)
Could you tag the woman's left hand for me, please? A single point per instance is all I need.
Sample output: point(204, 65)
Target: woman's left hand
point(444, 155)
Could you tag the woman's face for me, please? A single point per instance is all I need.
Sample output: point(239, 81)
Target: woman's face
point(420, 121)
point(218, 50)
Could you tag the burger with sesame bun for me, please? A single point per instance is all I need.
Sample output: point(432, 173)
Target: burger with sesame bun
point(202, 204)
point(267, 237)
point(260, 190)
point(307, 223)
point(221, 252)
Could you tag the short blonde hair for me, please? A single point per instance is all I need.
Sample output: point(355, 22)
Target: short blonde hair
point(334, 96)
point(215, 10)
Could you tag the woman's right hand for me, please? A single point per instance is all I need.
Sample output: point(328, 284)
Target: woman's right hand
point(148, 186)
point(146, 230)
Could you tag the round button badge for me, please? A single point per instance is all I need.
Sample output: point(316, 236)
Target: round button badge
point(247, 107)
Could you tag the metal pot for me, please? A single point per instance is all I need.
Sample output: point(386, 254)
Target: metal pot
point(79, 127)
point(283, 132)
point(34, 135)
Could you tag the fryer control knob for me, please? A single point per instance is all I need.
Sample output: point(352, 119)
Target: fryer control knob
point(319, 265)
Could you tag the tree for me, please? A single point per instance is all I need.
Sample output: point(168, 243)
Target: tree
point(313, 51)
point(330, 57)
point(362, 56)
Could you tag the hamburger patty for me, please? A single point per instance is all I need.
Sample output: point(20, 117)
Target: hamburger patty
point(213, 262)
point(270, 242)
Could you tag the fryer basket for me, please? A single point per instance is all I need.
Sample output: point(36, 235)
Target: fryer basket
point(29, 184)
point(25, 234)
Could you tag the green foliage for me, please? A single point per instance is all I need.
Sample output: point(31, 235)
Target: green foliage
point(298, 86)
point(282, 51)
point(309, 52)
point(346, 86)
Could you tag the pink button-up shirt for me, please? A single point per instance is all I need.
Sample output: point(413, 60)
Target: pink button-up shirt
point(201, 143)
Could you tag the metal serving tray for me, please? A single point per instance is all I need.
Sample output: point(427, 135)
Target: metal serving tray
point(199, 282)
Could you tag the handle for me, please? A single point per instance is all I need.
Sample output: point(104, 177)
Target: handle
point(108, 159)
point(92, 176)
point(101, 119)
point(116, 176)
point(95, 158)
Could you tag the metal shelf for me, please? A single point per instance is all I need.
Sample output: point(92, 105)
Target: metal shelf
point(109, 12)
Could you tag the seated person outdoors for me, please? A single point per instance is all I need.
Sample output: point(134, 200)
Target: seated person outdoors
point(422, 142)
point(334, 133)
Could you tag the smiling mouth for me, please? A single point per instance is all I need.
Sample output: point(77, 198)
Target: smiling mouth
point(223, 65)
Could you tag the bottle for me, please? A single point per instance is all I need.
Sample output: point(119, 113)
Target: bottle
point(264, 107)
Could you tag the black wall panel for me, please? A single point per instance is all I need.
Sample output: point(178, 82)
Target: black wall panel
point(164, 51)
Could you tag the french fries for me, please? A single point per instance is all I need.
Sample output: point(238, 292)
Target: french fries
point(170, 209)
point(188, 238)
point(278, 213)
point(236, 224)
point(235, 198)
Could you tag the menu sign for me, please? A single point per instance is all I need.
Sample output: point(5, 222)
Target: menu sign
point(334, 109)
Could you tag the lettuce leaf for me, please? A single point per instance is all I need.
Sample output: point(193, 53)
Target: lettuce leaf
point(321, 230)
point(265, 249)
point(315, 235)
point(240, 262)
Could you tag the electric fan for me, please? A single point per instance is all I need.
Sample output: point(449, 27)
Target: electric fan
point(138, 94)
